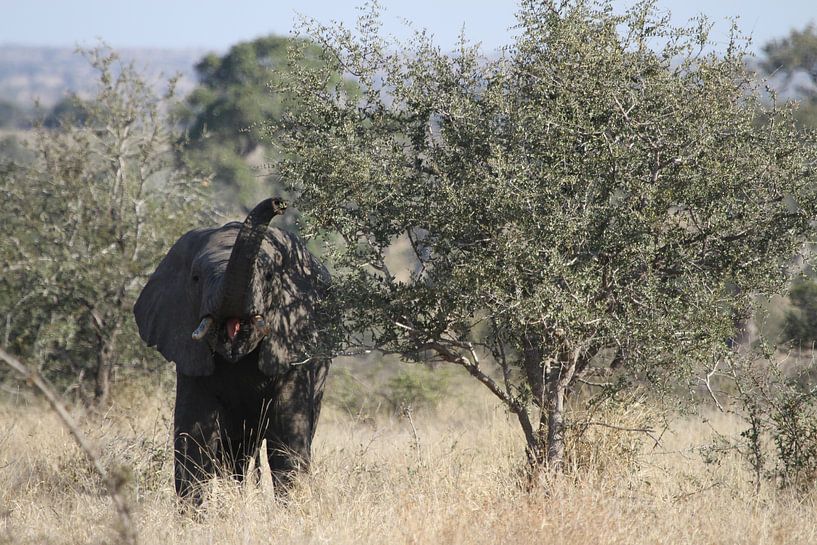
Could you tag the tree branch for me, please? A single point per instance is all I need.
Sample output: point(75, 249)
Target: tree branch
point(649, 432)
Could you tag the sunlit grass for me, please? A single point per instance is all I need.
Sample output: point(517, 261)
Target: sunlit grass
point(448, 476)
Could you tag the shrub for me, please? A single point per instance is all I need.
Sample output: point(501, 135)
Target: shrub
point(800, 323)
point(416, 387)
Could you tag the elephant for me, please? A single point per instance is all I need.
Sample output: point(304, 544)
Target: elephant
point(237, 308)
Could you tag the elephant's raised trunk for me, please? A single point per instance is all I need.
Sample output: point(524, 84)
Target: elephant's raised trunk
point(242, 258)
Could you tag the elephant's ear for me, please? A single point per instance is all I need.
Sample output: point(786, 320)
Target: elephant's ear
point(297, 284)
point(165, 314)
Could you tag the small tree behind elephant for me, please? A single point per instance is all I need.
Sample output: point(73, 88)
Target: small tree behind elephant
point(236, 308)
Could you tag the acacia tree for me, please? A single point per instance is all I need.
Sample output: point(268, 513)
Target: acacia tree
point(85, 221)
point(600, 195)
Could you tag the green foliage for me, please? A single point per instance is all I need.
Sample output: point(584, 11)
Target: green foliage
point(792, 55)
point(224, 115)
point(414, 388)
point(800, 325)
point(603, 186)
point(777, 400)
point(87, 220)
point(233, 95)
point(794, 420)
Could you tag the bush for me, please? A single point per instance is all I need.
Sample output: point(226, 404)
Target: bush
point(800, 325)
point(778, 403)
point(794, 428)
point(90, 215)
point(415, 388)
point(602, 184)
point(349, 394)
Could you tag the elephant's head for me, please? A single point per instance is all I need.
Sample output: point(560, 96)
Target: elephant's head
point(229, 291)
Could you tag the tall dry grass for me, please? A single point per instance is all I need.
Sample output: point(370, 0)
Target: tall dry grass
point(450, 476)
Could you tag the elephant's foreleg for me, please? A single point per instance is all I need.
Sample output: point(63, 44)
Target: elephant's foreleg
point(193, 463)
point(197, 440)
point(285, 462)
point(294, 418)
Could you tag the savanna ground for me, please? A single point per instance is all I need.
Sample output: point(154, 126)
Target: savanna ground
point(447, 472)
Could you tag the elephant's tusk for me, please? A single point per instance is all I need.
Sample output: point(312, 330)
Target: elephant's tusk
point(204, 327)
point(260, 324)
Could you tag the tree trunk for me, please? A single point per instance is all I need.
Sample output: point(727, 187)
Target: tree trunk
point(552, 435)
point(548, 379)
point(104, 365)
point(535, 448)
point(555, 422)
point(547, 454)
point(102, 380)
point(534, 367)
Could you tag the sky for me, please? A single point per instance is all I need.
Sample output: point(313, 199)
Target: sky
point(216, 25)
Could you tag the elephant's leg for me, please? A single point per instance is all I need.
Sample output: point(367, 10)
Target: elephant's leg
point(192, 464)
point(197, 437)
point(293, 421)
point(285, 461)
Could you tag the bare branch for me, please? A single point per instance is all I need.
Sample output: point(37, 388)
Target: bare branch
point(598, 384)
point(649, 432)
point(709, 386)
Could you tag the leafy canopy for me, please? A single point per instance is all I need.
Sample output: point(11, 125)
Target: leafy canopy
point(233, 95)
point(601, 193)
point(792, 55)
point(224, 114)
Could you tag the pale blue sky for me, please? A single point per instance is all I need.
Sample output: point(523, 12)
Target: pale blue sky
point(215, 25)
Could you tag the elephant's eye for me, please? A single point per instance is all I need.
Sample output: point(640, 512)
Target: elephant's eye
point(195, 279)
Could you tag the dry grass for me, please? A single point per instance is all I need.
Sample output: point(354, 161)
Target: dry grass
point(376, 481)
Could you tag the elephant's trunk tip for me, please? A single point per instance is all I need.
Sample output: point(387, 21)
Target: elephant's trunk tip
point(279, 206)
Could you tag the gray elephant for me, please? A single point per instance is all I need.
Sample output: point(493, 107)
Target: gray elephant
point(236, 308)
